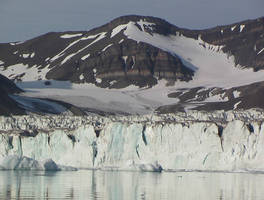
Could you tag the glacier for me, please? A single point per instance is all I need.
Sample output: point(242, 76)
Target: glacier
point(204, 141)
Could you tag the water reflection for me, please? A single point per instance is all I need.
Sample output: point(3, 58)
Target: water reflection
point(114, 185)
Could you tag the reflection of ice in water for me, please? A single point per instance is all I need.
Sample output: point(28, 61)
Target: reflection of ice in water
point(129, 185)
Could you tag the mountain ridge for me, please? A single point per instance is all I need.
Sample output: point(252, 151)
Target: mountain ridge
point(141, 51)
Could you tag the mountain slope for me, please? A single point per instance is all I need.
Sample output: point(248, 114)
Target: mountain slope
point(187, 69)
point(7, 104)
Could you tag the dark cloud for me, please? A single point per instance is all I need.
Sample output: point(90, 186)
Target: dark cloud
point(21, 20)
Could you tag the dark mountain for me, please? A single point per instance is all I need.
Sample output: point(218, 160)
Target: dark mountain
point(8, 105)
point(140, 50)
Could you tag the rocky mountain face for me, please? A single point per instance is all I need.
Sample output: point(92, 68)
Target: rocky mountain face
point(140, 51)
point(7, 104)
point(98, 56)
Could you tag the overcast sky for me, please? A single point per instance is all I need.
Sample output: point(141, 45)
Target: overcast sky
point(23, 19)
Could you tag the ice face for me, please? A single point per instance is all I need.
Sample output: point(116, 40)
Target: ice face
point(231, 141)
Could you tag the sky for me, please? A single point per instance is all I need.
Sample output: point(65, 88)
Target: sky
point(24, 19)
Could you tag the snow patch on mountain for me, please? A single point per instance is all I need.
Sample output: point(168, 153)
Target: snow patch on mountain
point(213, 68)
point(125, 58)
point(117, 29)
point(262, 50)
point(24, 72)
point(67, 36)
point(85, 57)
point(98, 37)
point(98, 80)
point(236, 93)
point(67, 58)
point(26, 55)
point(233, 28)
point(104, 49)
point(236, 104)
point(81, 77)
point(242, 26)
point(216, 98)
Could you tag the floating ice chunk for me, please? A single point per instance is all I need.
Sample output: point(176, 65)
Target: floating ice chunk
point(15, 162)
point(32, 55)
point(155, 167)
point(66, 36)
point(50, 165)
point(121, 41)
point(1, 62)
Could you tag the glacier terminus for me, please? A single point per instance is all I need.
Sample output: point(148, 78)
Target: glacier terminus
point(219, 141)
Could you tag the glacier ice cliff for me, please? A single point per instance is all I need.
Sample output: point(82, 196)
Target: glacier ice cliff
point(218, 141)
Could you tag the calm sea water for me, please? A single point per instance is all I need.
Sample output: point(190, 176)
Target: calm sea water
point(130, 185)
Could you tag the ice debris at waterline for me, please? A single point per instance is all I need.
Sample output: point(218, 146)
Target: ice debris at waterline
point(229, 141)
point(15, 162)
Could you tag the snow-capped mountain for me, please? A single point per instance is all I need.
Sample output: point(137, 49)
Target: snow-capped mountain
point(137, 64)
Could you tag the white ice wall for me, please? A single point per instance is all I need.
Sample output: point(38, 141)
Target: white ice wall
point(140, 145)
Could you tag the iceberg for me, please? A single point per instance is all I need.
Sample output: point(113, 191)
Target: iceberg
point(15, 162)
